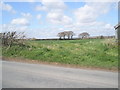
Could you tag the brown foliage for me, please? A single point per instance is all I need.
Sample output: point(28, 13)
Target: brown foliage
point(11, 38)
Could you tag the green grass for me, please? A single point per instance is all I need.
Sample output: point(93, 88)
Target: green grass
point(102, 53)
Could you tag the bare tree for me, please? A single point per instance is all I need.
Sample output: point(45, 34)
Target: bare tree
point(72, 34)
point(69, 34)
point(84, 35)
point(101, 37)
point(61, 34)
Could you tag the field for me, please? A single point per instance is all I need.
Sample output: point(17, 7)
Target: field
point(98, 53)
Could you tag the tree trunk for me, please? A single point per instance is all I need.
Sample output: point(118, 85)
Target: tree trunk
point(64, 37)
point(68, 37)
point(60, 38)
point(71, 36)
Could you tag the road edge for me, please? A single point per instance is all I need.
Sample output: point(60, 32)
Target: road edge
point(56, 64)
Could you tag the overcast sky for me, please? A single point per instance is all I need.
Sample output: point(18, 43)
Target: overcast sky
point(46, 19)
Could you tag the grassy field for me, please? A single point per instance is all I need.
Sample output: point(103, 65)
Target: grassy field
point(102, 53)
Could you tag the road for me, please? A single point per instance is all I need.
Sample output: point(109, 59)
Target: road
point(24, 75)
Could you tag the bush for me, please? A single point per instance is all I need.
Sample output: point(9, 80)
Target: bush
point(11, 38)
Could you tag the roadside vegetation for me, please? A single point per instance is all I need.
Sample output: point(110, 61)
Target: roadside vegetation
point(98, 53)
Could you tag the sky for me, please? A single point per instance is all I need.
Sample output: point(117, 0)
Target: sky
point(46, 19)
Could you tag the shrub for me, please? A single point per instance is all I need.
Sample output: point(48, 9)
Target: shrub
point(11, 38)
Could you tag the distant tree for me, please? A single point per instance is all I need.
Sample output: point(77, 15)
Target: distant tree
point(61, 34)
point(101, 37)
point(84, 35)
point(69, 34)
point(72, 34)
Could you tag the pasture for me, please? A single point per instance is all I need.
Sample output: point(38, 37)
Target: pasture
point(97, 53)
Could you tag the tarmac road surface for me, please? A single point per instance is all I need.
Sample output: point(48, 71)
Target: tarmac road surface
point(24, 75)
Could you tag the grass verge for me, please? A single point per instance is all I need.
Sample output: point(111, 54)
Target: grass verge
point(97, 53)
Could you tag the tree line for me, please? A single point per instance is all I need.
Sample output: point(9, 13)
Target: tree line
point(11, 38)
point(70, 34)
